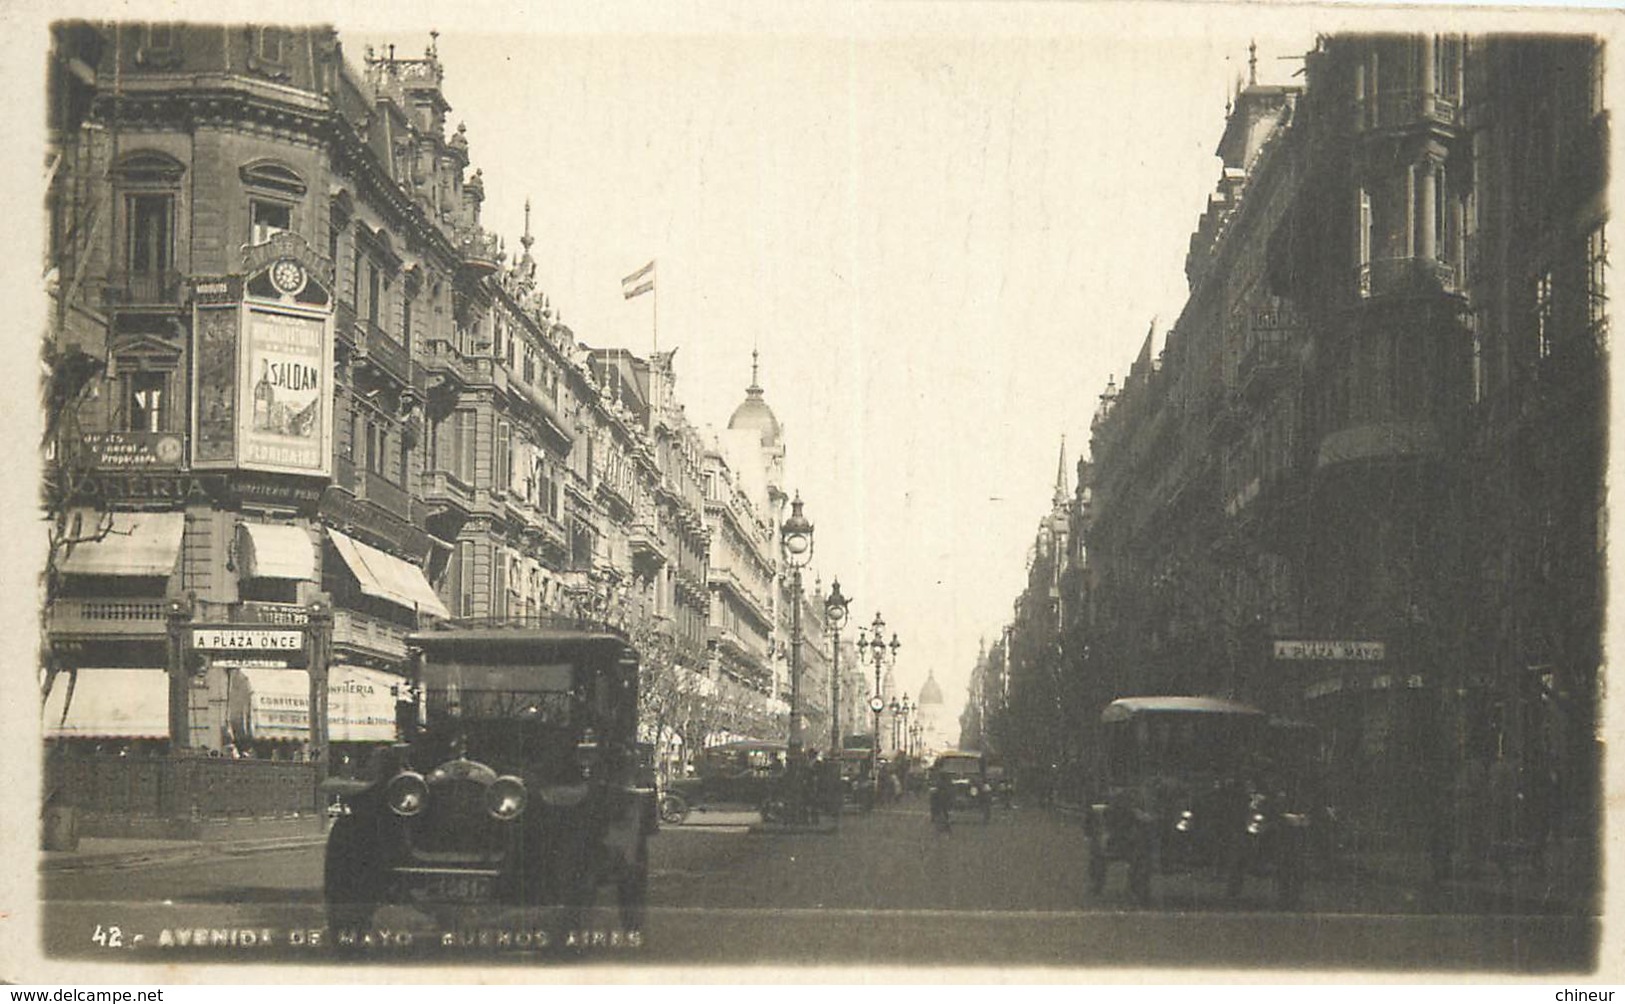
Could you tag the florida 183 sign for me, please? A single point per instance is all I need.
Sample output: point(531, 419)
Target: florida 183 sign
point(264, 394)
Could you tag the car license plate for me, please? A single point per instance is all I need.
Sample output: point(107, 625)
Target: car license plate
point(447, 888)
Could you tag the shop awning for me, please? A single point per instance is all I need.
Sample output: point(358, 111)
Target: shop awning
point(361, 704)
point(387, 577)
point(108, 703)
point(276, 552)
point(138, 543)
point(269, 704)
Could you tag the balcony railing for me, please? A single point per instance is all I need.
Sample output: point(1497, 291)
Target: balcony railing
point(1395, 109)
point(121, 617)
point(1406, 277)
point(144, 289)
point(376, 488)
point(376, 346)
point(479, 249)
point(1265, 359)
point(443, 487)
point(363, 631)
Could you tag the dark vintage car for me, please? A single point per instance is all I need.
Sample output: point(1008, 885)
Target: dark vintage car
point(1180, 790)
point(966, 774)
point(741, 772)
point(518, 784)
point(858, 778)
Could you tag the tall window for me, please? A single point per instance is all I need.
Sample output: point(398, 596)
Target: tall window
point(499, 585)
point(467, 445)
point(151, 243)
point(267, 218)
point(372, 293)
point(1441, 215)
point(145, 401)
point(465, 578)
point(406, 320)
point(502, 468)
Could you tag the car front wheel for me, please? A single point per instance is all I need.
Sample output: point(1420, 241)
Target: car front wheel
point(674, 809)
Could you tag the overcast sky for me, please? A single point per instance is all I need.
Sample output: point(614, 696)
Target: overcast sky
point(944, 225)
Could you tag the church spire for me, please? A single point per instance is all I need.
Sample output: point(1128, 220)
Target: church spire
point(1061, 492)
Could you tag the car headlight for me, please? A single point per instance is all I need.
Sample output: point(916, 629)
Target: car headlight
point(505, 798)
point(407, 793)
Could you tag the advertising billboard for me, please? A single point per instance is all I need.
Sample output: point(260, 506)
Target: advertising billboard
point(286, 414)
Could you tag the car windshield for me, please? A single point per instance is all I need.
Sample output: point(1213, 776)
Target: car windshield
point(1185, 743)
point(960, 765)
point(484, 692)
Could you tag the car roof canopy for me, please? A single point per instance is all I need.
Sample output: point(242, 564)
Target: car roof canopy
point(1125, 708)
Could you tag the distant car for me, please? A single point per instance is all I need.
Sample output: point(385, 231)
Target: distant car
point(519, 784)
point(966, 774)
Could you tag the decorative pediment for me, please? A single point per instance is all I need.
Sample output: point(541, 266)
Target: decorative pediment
point(150, 167)
point(273, 176)
point(145, 351)
point(287, 268)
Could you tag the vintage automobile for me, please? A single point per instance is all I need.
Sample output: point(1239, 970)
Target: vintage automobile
point(858, 777)
point(517, 784)
point(999, 780)
point(1180, 789)
point(966, 774)
point(740, 772)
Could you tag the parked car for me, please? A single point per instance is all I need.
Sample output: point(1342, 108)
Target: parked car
point(518, 784)
point(966, 773)
point(1180, 790)
point(740, 772)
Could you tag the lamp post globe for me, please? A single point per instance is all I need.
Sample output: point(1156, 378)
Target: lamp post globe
point(796, 534)
point(835, 611)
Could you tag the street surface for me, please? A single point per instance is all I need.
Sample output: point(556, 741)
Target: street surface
point(886, 889)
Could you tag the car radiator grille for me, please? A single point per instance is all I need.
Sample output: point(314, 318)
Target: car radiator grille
point(455, 821)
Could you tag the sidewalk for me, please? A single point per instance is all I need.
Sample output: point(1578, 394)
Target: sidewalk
point(129, 852)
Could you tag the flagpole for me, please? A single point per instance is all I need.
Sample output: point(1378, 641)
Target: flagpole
point(655, 323)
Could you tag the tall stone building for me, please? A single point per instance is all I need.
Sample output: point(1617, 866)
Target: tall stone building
point(1361, 481)
point(300, 404)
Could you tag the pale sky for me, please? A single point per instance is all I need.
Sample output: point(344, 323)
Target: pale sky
point(943, 246)
point(944, 224)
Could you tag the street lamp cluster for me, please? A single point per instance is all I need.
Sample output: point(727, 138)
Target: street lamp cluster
point(796, 536)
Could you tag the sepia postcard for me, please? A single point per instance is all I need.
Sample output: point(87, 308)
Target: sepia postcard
point(916, 492)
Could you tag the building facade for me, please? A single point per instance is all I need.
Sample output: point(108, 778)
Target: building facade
point(1359, 484)
point(301, 403)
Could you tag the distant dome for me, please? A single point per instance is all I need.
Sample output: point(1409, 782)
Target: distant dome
point(753, 413)
point(930, 693)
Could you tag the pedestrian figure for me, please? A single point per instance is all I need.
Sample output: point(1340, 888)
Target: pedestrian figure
point(942, 800)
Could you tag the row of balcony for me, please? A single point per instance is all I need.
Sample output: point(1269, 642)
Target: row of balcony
point(92, 617)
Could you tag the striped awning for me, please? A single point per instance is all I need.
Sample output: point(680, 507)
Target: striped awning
point(387, 577)
point(136, 543)
point(276, 552)
point(108, 704)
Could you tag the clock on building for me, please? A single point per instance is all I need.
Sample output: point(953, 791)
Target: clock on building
point(287, 276)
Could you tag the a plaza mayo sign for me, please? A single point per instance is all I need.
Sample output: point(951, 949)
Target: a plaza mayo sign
point(1331, 651)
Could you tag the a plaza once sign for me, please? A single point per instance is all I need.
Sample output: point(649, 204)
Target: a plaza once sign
point(1332, 651)
point(240, 639)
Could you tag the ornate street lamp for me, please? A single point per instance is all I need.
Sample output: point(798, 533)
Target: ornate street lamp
point(875, 648)
point(797, 537)
point(835, 611)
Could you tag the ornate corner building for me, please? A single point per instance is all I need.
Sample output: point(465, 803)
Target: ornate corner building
point(300, 404)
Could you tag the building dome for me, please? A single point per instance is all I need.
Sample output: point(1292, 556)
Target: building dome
point(930, 693)
point(753, 414)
